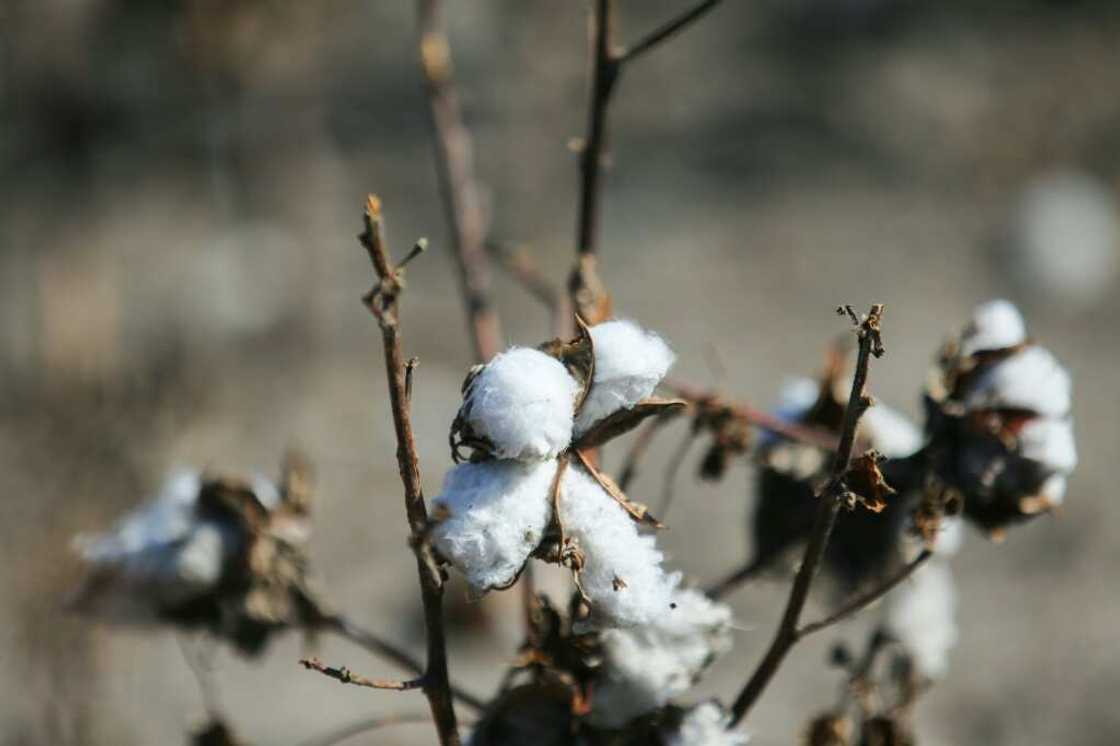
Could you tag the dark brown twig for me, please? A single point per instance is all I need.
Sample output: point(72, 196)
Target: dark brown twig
point(462, 200)
point(382, 302)
point(367, 640)
point(344, 675)
point(832, 498)
point(666, 30)
point(867, 598)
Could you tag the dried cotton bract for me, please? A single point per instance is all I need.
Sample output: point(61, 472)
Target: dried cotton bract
point(491, 516)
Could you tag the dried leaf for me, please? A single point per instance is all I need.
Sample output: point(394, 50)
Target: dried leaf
point(636, 510)
point(625, 420)
point(865, 480)
point(578, 356)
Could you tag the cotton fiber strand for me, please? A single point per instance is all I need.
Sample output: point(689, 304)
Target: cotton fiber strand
point(1049, 442)
point(496, 515)
point(890, 432)
point(645, 667)
point(1032, 379)
point(523, 402)
point(629, 363)
point(706, 725)
point(921, 615)
point(622, 575)
point(995, 325)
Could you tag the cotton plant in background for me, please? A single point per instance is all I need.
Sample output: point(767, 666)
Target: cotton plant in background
point(224, 555)
point(999, 420)
point(526, 417)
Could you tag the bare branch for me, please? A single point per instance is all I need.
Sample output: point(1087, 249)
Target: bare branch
point(462, 200)
point(863, 600)
point(667, 30)
point(345, 676)
point(520, 265)
point(831, 500)
point(640, 445)
point(382, 302)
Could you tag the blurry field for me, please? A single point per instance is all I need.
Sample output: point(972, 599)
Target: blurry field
point(181, 185)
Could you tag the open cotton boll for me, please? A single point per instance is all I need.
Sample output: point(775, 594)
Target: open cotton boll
point(629, 363)
point(705, 725)
point(622, 574)
point(496, 513)
point(1054, 489)
point(522, 401)
point(890, 432)
point(995, 325)
point(921, 614)
point(645, 667)
point(1032, 379)
point(1049, 442)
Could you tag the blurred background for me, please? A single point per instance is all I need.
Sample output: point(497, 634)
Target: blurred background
point(179, 281)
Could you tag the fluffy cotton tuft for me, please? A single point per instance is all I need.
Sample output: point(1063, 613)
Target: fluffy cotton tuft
point(1053, 489)
point(161, 553)
point(1049, 442)
point(629, 363)
point(995, 325)
point(705, 725)
point(1032, 379)
point(622, 575)
point(921, 615)
point(496, 515)
point(522, 401)
point(890, 432)
point(645, 667)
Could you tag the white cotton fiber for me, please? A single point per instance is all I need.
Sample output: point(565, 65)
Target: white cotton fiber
point(1053, 489)
point(496, 513)
point(705, 725)
point(161, 553)
point(523, 402)
point(644, 667)
point(890, 432)
point(995, 325)
point(1032, 379)
point(1049, 442)
point(622, 575)
point(629, 363)
point(921, 614)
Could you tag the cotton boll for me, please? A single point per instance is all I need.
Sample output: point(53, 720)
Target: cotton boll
point(950, 536)
point(629, 363)
point(890, 432)
point(1053, 489)
point(995, 325)
point(705, 725)
point(921, 615)
point(796, 398)
point(622, 573)
point(645, 667)
point(1032, 379)
point(1049, 442)
point(496, 515)
point(522, 401)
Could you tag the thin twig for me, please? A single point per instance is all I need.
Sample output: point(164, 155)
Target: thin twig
point(639, 447)
point(382, 302)
point(462, 200)
point(373, 643)
point(669, 481)
point(832, 498)
point(344, 675)
point(866, 599)
point(736, 579)
point(666, 30)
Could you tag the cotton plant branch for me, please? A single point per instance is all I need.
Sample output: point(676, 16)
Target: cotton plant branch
point(344, 675)
point(383, 302)
point(834, 495)
point(519, 264)
point(460, 192)
point(589, 295)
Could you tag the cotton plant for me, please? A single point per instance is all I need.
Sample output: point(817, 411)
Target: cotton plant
point(528, 486)
point(999, 420)
point(220, 554)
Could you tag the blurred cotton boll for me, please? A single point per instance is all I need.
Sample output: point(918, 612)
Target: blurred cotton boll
point(1065, 238)
point(705, 725)
point(921, 615)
